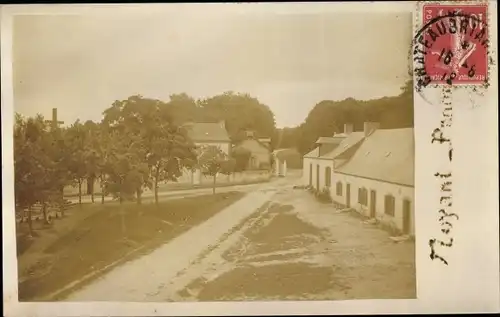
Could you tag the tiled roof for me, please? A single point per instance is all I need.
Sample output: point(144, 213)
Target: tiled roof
point(330, 139)
point(314, 153)
point(386, 155)
point(348, 142)
point(207, 132)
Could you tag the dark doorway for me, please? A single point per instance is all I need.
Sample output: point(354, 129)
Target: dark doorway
point(348, 195)
point(373, 203)
point(406, 216)
point(317, 177)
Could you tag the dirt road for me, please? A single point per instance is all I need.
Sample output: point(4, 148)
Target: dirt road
point(147, 276)
point(276, 243)
point(301, 249)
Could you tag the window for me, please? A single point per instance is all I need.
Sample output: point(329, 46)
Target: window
point(339, 189)
point(389, 205)
point(363, 196)
point(328, 176)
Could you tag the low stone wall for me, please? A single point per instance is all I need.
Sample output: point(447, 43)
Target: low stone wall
point(186, 180)
point(247, 176)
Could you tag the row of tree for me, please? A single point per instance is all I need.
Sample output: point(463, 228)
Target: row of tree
point(138, 144)
point(141, 142)
point(239, 111)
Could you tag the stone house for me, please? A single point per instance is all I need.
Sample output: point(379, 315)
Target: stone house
point(206, 134)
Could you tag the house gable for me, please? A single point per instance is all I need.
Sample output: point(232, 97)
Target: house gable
point(207, 132)
point(313, 154)
point(346, 148)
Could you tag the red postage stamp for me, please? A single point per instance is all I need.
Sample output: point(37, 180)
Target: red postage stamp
point(454, 43)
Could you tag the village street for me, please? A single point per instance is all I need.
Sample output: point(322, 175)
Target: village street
point(176, 193)
point(276, 243)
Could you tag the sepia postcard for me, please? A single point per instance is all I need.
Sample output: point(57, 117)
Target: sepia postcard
point(250, 158)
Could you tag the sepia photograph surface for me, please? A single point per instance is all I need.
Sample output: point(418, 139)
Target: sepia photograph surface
point(192, 154)
point(236, 158)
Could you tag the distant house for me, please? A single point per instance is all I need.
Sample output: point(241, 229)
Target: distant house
point(207, 134)
point(319, 163)
point(260, 149)
point(371, 171)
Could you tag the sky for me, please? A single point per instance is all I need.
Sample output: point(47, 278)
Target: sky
point(82, 63)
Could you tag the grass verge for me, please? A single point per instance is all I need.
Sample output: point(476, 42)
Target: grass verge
point(104, 234)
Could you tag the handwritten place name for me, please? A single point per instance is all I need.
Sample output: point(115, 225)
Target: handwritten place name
point(446, 217)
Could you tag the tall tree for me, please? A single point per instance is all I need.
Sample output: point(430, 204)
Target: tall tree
point(214, 161)
point(92, 152)
point(240, 112)
point(161, 148)
point(328, 117)
point(77, 138)
point(36, 164)
point(170, 151)
point(182, 108)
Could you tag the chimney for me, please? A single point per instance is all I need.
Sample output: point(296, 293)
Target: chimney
point(370, 127)
point(223, 124)
point(348, 128)
point(250, 134)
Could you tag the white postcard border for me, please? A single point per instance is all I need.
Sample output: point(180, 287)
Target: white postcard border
point(470, 283)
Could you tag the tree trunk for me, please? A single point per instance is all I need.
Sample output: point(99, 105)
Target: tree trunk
point(139, 196)
point(102, 190)
point(80, 192)
point(44, 212)
point(62, 201)
point(156, 183)
point(213, 188)
point(121, 192)
point(61, 208)
point(122, 214)
point(30, 223)
point(156, 192)
point(91, 188)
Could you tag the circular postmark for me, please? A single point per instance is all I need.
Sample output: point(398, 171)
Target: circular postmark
point(450, 51)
